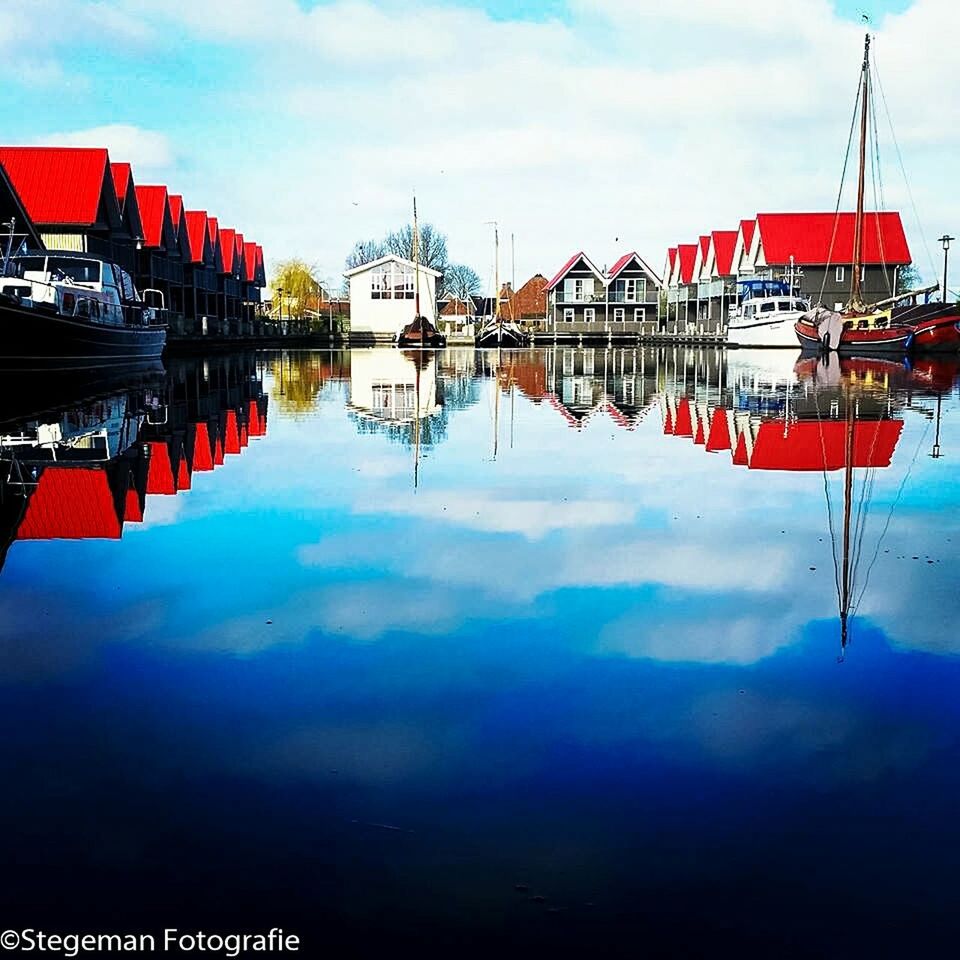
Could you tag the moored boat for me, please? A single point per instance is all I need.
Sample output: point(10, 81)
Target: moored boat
point(767, 319)
point(502, 333)
point(63, 307)
point(420, 332)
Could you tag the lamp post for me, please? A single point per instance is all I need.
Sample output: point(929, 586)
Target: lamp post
point(945, 240)
point(280, 307)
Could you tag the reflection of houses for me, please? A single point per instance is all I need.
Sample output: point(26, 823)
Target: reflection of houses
point(93, 466)
point(383, 297)
point(765, 420)
point(391, 386)
point(588, 302)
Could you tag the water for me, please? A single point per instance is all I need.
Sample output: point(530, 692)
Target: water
point(527, 652)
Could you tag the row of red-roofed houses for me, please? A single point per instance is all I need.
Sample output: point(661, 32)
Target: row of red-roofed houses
point(813, 252)
point(76, 199)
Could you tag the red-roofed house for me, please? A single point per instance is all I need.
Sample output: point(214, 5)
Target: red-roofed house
point(25, 234)
point(69, 194)
point(817, 250)
point(586, 301)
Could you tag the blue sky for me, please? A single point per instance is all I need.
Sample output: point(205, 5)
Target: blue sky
point(606, 125)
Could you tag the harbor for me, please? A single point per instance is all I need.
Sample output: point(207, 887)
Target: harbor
point(479, 479)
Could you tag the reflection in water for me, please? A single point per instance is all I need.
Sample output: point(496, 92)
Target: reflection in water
point(577, 691)
point(84, 467)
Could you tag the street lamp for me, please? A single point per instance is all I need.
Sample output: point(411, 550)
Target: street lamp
point(280, 307)
point(945, 240)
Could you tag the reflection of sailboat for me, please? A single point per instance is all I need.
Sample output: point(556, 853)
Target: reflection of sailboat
point(893, 325)
point(420, 332)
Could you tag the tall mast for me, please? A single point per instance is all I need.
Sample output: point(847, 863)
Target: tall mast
point(496, 269)
point(416, 257)
point(847, 505)
point(856, 300)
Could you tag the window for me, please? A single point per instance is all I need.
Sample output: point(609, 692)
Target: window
point(768, 307)
point(749, 310)
point(567, 362)
point(618, 314)
point(578, 289)
point(590, 314)
point(629, 388)
point(630, 293)
point(392, 281)
point(581, 391)
point(840, 274)
point(639, 315)
point(568, 315)
point(838, 307)
point(588, 362)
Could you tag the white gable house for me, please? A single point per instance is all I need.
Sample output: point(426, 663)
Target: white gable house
point(382, 296)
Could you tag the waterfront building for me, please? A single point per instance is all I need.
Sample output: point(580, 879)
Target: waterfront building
point(75, 198)
point(382, 296)
point(717, 278)
point(585, 301)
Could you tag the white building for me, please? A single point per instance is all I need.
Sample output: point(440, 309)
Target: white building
point(382, 296)
point(386, 385)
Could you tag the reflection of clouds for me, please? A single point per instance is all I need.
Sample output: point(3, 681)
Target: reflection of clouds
point(678, 631)
point(353, 611)
point(484, 510)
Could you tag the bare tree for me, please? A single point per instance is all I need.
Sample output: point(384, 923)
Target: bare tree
point(432, 247)
point(460, 281)
point(364, 251)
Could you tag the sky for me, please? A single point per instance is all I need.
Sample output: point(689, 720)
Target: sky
point(607, 126)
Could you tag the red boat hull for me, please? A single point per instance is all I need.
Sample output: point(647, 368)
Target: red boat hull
point(893, 339)
point(942, 334)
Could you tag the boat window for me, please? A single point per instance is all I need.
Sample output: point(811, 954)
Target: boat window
point(767, 307)
point(80, 271)
point(25, 265)
point(784, 305)
point(750, 310)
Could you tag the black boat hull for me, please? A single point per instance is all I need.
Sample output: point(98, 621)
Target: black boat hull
point(34, 337)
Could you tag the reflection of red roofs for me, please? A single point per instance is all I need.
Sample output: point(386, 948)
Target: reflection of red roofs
point(698, 436)
point(668, 421)
point(253, 419)
point(132, 508)
point(819, 445)
point(71, 503)
point(202, 454)
point(557, 405)
point(684, 424)
point(740, 453)
point(231, 435)
point(244, 436)
point(218, 452)
point(160, 470)
point(719, 437)
point(183, 472)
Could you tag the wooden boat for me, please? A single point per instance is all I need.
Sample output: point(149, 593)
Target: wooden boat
point(63, 307)
point(500, 332)
point(860, 328)
point(420, 332)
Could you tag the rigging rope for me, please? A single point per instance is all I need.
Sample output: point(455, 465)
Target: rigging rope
point(903, 170)
point(843, 177)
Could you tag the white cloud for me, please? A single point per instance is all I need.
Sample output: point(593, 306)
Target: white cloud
point(149, 151)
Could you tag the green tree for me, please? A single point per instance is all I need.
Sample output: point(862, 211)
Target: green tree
point(300, 287)
point(908, 278)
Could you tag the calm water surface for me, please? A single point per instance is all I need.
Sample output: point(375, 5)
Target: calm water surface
point(537, 650)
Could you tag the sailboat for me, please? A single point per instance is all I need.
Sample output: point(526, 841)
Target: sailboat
point(420, 332)
point(895, 325)
point(500, 332)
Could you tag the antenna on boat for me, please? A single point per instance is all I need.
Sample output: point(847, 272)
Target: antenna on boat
point(11, 224)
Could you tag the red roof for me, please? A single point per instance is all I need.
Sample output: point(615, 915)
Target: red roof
point(684, 423)
point(176, 208)
point(568, 266)
point(746, 228)
point(153, 208)
point(255, 427)
point(197, 234)
point(244, 436)
point(250, 261)
point(202, 452)
point(160, 470)
point(121, 180)
point(810, 239)
point(218, 452)
point(212, 229)
point(231, 435)
point(183, 472)
point(261, 274)
point(671, 260)
point(71, 503)
point(688, 257)
point(821, 445)
point(59, 185)
point(740, 451)
point(704, 247)
point(723, 243)
point(719, 436)
point(228, 248)
point(132, 507)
